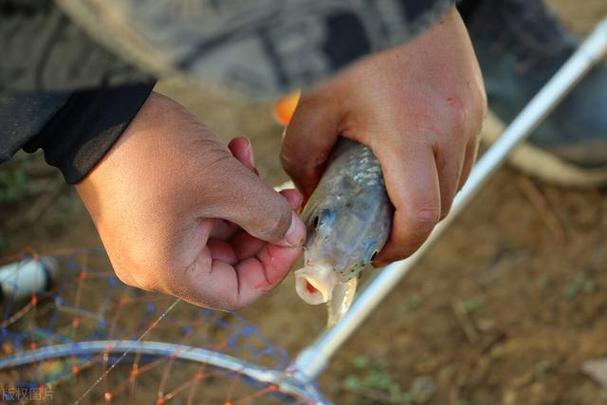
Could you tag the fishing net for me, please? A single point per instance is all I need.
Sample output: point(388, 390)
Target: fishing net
point(72, 332)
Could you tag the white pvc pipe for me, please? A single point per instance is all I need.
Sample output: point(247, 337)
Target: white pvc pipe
point(24, 278)
point(313, 360)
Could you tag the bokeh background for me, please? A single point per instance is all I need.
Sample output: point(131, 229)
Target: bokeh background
point(506, 308)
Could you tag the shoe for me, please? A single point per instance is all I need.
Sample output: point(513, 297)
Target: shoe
point(520, 45)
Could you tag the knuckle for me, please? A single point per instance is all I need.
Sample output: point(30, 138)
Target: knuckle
point(145, 278)
point(124, 278)
point(147, 283)
point(457, 111)
point(233, 303)
point(220, 161)
point(171, 283)
point(465, 116)
point(413, 232)
point(419, 226)
point(425, 217)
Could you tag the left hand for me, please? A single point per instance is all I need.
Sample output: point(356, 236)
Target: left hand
point(419, 107)
point(179, 213)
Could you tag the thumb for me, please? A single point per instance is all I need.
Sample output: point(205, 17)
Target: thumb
point(308, 141)
point(240, 196)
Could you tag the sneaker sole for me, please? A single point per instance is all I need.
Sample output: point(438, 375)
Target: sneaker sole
point(541, 164)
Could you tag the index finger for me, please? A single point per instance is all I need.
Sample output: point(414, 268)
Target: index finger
point(308, 141)
point(214, 283)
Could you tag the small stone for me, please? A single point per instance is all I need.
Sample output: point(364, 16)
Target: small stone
point(597, 370)
point(486, 325)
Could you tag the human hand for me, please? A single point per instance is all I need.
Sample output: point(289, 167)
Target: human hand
point(419, 107)
point(180, 213)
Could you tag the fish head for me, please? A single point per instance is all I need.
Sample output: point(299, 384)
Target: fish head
point(340, 240)
point(343, 237)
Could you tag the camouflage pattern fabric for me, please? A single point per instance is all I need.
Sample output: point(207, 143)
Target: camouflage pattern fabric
point(260, 48)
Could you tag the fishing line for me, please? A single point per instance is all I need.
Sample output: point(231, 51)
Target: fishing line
point(109, 370)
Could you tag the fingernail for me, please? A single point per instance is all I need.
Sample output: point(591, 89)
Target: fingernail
point(299, 200)
point(250, 152)
point(294, 198)
point(251, 156)
point(296, 235)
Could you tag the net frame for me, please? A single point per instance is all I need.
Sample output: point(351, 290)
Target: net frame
point(28, 343)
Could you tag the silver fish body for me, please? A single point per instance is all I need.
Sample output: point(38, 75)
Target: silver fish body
point(348, 219)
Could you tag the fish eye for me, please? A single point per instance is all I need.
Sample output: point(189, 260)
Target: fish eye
point(374, 254)
point(315, 222)
point(325, 218)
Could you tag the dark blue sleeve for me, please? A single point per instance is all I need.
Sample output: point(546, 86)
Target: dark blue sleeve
point(74, 130)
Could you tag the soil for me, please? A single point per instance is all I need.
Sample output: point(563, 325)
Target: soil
point(504, 309)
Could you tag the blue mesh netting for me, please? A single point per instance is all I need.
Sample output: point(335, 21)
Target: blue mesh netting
point(84, 301)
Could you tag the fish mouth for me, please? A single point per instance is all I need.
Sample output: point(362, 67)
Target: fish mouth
point(315, 283)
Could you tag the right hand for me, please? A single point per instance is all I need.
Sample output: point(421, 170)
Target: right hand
point(180, 213)
point(419, 107)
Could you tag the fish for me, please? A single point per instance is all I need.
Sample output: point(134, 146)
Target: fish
point(348, 220)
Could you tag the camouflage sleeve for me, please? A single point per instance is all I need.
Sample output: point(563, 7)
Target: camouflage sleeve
point(43, 51)
point(59, 90)
point(261, 48)
point(71, 85)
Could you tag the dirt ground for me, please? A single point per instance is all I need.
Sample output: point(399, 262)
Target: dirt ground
point(505, 309)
